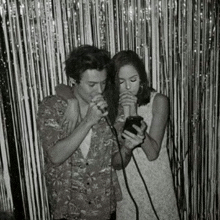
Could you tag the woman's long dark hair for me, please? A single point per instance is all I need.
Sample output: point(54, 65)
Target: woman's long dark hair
point(122, 58)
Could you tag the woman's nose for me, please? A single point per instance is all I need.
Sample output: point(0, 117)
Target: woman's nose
point(128, 86)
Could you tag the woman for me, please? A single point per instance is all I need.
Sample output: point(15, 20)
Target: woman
point(151, 156)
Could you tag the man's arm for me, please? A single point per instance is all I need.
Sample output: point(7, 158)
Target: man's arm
point(64, 148)
point(60, 149)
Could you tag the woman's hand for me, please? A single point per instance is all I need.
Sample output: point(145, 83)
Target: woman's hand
point(64, 91)
point(128, 99)
point(122, 158)
point(71, 116)
point(132, 140)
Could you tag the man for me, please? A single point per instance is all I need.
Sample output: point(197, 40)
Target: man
point(80, 179)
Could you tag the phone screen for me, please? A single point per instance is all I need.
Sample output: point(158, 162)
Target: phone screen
point(130, 121)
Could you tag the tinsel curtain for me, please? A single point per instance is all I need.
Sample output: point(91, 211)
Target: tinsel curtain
point(179, 43)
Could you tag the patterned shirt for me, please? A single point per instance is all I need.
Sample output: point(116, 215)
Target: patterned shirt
point(83, 188)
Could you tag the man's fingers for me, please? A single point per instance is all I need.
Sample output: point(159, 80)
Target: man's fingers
point(102, 106)
point(97, 98)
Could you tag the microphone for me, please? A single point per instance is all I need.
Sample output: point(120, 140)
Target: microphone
point(103, 110)
point(106, 117)
point(126, 111)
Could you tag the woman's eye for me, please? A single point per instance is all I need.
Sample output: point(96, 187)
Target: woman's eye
point(133, 80)
point(121, 81)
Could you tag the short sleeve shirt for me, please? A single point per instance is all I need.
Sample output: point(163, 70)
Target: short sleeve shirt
point(83, 188)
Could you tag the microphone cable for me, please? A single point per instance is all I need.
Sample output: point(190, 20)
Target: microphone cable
point(123, 168)
point(114, 132)
point(145, 186)
point(125, 176)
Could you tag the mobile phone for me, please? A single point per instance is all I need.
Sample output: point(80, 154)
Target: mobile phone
point(132, 120)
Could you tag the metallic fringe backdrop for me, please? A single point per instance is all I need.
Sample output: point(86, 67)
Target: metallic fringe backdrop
point(179, 43)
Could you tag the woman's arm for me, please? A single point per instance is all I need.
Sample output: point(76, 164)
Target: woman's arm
point(152, 142)
point(70, 116)
point(125, 156)
point(130, 140)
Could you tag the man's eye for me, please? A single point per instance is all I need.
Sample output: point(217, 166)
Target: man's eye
point(92, 85)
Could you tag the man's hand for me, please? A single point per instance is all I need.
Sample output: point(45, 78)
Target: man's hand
point(97, 109)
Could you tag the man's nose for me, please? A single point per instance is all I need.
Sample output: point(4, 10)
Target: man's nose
point(99, 89)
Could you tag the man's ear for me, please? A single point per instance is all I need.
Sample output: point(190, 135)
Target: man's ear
point(72, 81)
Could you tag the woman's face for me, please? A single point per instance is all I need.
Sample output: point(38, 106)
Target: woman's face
point(129, 79)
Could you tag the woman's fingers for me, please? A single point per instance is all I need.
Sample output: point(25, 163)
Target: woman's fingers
point(135, 137)
point(128, 99)
point(127, 95)
point(131, 142)
point(130, 96)
point(138, 129)
point(128, 102)
point(143, 126)
point(71, 126)
point(128, 134)
point(71, 115)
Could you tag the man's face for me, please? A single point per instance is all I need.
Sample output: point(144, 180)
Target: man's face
point(91, 84)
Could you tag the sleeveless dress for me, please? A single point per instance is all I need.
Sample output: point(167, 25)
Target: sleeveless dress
point(158, 178)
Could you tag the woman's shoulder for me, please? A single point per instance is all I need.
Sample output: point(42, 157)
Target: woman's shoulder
point(160, 103)
point(159, 97)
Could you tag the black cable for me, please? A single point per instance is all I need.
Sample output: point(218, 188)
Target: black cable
point(145, 185)
point(123, 168)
